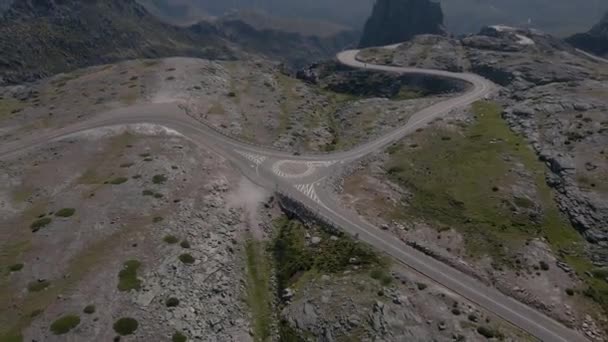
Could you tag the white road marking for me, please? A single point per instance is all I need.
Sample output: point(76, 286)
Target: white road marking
point(254, 158)
point(309, 191)
point(311, 167)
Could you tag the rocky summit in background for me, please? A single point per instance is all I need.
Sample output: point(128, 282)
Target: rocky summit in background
point(39, 38)
point(595, 40)
point(396, 21)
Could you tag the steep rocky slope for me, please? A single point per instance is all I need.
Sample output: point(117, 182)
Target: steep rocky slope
point(44, 37)
point(396, 21)
point(595, 40)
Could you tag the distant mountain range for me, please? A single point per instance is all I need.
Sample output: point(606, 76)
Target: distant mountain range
point(43, 37)
point(39, 38)
point(558, 17)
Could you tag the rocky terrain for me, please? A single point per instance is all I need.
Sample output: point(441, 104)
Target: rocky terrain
point(555, 98)
point(206, 255)
point(193, 258)
point(165, 263)
point(333, 288)
point(190, 260)
point(595, 40)
point(397, 21)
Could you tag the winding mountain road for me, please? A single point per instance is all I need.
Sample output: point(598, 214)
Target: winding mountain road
point(302, 179)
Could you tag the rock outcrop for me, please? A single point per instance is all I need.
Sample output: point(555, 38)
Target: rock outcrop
point(396, 21)
point(595, 40)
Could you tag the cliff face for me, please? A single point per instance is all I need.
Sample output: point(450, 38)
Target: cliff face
point(595, 40)
point(396, 21)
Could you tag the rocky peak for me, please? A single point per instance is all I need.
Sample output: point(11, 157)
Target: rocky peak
point(396, 21)
point(595, 40)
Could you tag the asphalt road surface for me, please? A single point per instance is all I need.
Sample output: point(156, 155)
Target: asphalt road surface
point(302, 178)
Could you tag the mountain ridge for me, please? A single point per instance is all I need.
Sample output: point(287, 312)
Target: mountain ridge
point(595, 40)
point(44, 37)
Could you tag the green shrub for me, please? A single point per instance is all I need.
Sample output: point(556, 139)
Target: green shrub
point(486, 332)
point(36, 313)
point(157, 195)
point(126, 326)
point(170, 239)
point(570, 292)
point(65, 212)
point(89, 309)
point(186, 258)
point(395, 170)
point(172, 302)
point(127, 277)
point(159, 179)
point(382, 276)
point(421, 286)
point(126, 165)
point(15, 267)
point(179, 337)
point(64, 324)
point(119, 180)
point(185, 244)
point(157, 219)
point(147, 193)
point(335, 255)
point(544, 266)
point(295, 256)
point(38, 285)
point(40, 223)
point(601, 273)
